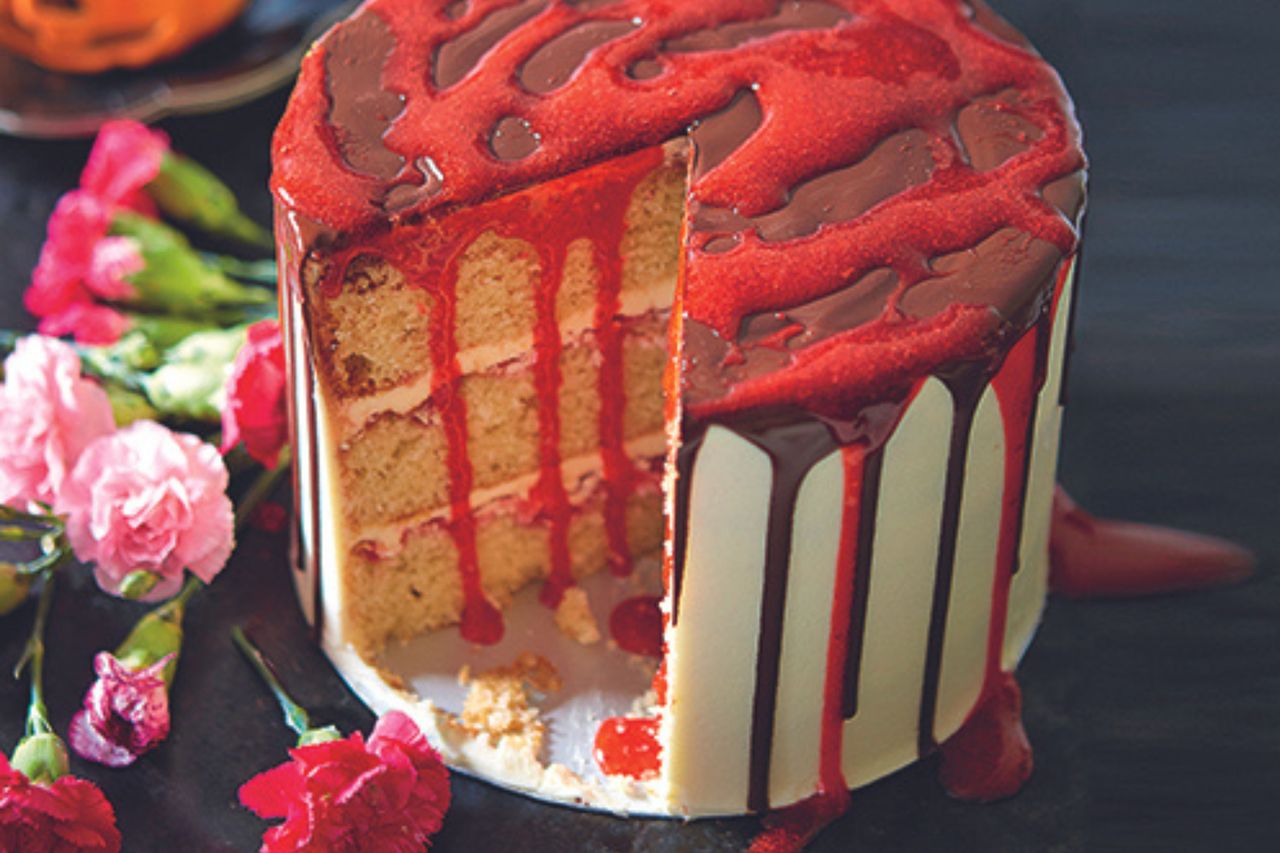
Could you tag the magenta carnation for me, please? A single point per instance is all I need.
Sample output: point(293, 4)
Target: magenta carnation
point(388, 795)
point(147, 498)
point(126, 712)
point(126, 157)
point(68, 815)
point(255, 411)
point(49, 414)
point(78, 264)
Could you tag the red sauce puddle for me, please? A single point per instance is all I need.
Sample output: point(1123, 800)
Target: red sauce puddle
point(636, 625)
point(628, 746)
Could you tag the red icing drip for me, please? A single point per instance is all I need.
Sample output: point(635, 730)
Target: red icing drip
point(481, 621)
point(636, 625)
point(990, 757)
point(549, 493)
point(628, 746)
point(619, 472)
point(1095, 557)
point(660, 682)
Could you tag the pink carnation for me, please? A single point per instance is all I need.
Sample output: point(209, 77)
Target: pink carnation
point(126, 157)
point(388, 795)
point(255, 412)
point(152, 499)
point(78, 264)
point(126, 712)
point(49, 414)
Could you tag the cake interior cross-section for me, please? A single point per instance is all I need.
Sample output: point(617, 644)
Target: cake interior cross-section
point(676, 387)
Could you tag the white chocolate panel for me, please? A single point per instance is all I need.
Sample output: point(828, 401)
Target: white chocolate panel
point(968, 626)
point(806, 629)
point(711, 661)
point(882, 735)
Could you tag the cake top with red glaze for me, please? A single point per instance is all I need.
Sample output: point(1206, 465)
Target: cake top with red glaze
point(853, 160)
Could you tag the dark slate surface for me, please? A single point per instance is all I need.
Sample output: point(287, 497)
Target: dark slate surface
point(1156, 722)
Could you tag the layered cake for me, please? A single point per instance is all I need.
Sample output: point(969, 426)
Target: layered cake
point(763, 304)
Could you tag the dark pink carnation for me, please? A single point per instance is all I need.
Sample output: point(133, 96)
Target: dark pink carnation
point(78, 264)
point(126, 157)
point(387, 796)
point(255, 412)
point(69, 815)
point(151, 499)
point(126, 712)
point(49, 415)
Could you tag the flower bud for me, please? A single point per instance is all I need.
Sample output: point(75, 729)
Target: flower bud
point(190, 193)
point(192, 382)
point(128, 406)
point(138, 583)
point(42, 757)
point(155, 637)
point(14, 587)
point(173, 278)
point(321, 735)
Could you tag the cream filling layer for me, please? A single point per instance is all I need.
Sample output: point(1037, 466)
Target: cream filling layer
point(408, 396)
point(579, 475)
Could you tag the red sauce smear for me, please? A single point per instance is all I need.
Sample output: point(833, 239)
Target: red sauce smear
point(789, 830)
point(990, 757)
point(1098, 557)
point(628, 746)
point(636, 625)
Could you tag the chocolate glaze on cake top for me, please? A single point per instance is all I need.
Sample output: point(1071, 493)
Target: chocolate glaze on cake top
point(900, 177)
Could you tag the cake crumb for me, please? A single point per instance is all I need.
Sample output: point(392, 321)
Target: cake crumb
point(498, 703)
point(575, 619)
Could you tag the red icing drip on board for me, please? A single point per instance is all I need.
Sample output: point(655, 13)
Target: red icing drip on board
point(888, 67)
point(636, 625)
point(1097, 557)
point(628, 746)
point(990, 757)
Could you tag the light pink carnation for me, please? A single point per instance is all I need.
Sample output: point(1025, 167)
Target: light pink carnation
point(48, 415)
point(152, 499)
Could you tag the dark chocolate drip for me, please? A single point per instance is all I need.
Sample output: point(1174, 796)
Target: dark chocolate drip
point(995, 272)
point(868, 504)
point(685, 457)
point(720, 134)
point(1069, 345)
point(898, 163)
point(402, 196)
point(966, 384)
point(794, 447)
point(1043, 330)
point(360, 109)
point(791, 15)
point(645, 69)
point(551, 65)
point(992, 131)
point(455, 58)
point(513, 139)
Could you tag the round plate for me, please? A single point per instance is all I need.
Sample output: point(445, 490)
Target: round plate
point(257, 53)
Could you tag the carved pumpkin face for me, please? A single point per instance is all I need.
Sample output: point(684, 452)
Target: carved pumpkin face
point(86, 36)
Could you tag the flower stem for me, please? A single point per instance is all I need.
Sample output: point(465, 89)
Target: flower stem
point(172, 609)
point(33, 654)
point(259, 272)
point(261, 489)
point(295, 716)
